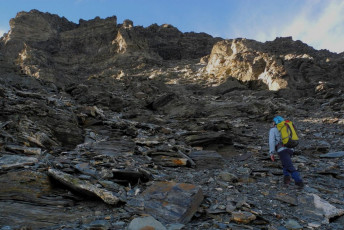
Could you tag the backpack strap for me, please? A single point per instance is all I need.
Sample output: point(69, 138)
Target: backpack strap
point(290, 133)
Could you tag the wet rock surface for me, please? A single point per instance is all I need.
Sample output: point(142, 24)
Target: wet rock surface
point(132, 127)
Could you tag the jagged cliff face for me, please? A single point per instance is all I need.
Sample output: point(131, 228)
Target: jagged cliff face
point(53, 49)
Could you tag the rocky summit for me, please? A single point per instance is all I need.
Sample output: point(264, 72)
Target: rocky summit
point(107, 125)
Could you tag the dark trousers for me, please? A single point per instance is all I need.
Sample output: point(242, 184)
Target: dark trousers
point(288, 167)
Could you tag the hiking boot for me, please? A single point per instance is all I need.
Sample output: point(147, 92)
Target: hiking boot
point(300, 184)
point(286, 180)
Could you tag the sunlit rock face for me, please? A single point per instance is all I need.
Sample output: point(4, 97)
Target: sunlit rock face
point(56, 50)
point(53, 49)
point(282, 63)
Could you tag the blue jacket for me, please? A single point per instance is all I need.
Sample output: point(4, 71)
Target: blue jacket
point(275, 141)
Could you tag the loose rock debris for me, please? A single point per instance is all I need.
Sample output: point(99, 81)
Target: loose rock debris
point(115, 126)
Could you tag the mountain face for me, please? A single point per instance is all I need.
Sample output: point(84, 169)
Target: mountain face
point(108, 121)
point(53, 49)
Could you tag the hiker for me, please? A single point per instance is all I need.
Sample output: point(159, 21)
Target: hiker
point(284, 153)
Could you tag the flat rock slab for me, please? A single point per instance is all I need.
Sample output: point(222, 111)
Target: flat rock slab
point(317, 209)
point(207, 159)
point(333, 155)
point(83, 187)
point(208, 138)
point(14, 161)
point(23, 150)
point(27, 199)
point(114, 147)
point(169, 159)
point(287, 198)
point(147, 222)
point(169, 202)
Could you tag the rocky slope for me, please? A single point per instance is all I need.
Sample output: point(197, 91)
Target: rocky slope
point(102, 122)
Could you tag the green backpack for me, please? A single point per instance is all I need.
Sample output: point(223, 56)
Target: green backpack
point(288, 133)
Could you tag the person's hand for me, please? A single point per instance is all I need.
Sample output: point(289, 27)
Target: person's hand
point(272, 156)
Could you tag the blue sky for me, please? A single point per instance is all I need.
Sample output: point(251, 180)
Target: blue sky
point(319, 23)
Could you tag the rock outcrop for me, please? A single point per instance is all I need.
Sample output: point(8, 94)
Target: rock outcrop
point(282, 63)
point(53, 49)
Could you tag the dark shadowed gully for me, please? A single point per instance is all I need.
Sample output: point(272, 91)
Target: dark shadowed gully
point(107, 125)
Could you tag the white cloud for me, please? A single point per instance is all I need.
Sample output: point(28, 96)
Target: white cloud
point(317, 23)
point(2, 32)
point(322, 32)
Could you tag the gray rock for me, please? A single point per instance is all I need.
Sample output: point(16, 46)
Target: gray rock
point(287, 198)
point(23, 149)
point(207, 159)
point(14, 161)
point(333, 155)
point(83, 187)
point(98, 225)
point(208, 138)
point(318, 209)
point(243, 217)
point(229, 177)
point(293, 225)
point(145, 223)
point(85, 168)
point(169, 202)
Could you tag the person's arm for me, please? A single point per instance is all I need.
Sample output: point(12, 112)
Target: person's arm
point(272, 144)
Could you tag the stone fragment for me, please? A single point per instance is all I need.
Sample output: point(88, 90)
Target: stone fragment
point(243, 157)
point(85, 168)
point(29, 186)
point(148, 223)
point(169, 202)
point(147, 142)
point(286, 198)
point(130, 176)
point(170, 161)
point(322, 146)
point(328, 209)
point(83, 187)
point(118, 189)
point(333, 155)
point(161, 101)
point(207, 159)
point(293, 225)
point(208, 138)
point(319, 209)
point(229, 177)
point(333, 170)
point(41, 139)
point(230, 207)
point(314, 225)
point(24, 149)
point(28, 199)
point(14, 161)
point(98, 225)
point(340, 177)
point(243, 217)
point(106, 173)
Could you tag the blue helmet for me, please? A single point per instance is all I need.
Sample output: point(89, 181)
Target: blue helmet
point(278, 119)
